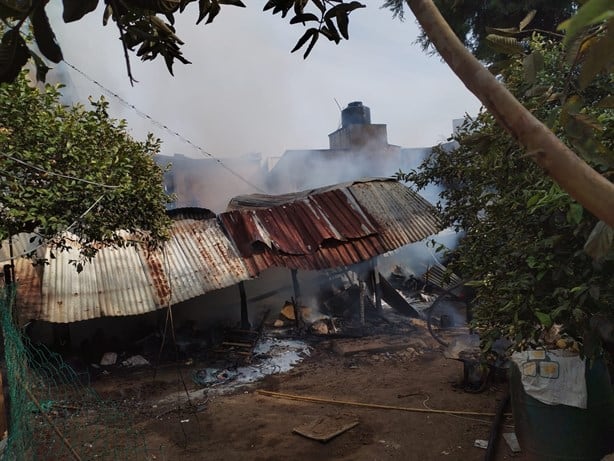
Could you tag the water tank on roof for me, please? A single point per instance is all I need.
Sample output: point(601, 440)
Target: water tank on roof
point(355, 114)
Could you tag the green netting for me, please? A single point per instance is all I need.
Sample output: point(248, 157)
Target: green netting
point(53, 413)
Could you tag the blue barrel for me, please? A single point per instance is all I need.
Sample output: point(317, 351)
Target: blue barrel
point(561, 432)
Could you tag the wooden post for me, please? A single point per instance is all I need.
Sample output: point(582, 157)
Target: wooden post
point(377, 287)
point(296, 300)
point(362, 302)
point(244, 314)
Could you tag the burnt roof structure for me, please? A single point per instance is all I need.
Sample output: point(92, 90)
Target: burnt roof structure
point(324, 228)
point(328, 227)
point(197, 259)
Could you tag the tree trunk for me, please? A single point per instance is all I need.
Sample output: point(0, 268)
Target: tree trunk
point(593, 191)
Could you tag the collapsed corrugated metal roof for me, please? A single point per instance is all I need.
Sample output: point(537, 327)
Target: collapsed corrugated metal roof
point(317, 229)
point(329, 227)
point(197, 259)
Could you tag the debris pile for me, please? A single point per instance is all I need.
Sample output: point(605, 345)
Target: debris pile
point(271, 356)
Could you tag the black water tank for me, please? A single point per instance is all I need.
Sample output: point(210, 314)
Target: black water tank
point(355, 114)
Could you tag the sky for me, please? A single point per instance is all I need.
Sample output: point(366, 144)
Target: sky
point(246, 93)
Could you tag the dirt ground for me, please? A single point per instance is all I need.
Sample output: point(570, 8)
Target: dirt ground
point(403, 369)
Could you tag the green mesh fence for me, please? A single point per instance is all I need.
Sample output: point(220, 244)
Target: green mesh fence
point(53, 413)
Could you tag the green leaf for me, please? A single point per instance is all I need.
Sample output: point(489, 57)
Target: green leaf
point(44, 36)
point(13, 55)
point(76, 9)
point(203, 9)
point(574, 213)
point(108, 12)
point(475, 283)
point(527, 20)
point(238, 3)
point(506, 45)
point(342, 23)
point(213, 12)
point(599, 56)
point(533, 200)
point(578, 289)
point(20, 6)
point(544, 319)
point(506, 32)
point(306, 36)
point(590, 13)
point(532, 262)
point(41, 67)
point(578, 314)
point(320, 5)
point(304, 17)
point(314, 39)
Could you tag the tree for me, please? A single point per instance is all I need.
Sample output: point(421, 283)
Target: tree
point(473, 21)
point(139, 25)
point(68, 169)
point(524, 237)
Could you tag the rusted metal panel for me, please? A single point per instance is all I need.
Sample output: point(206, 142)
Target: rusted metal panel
point(402, 215)
point(318, 229)
point(197, 259)
point(329, 227)
point(300, 227)
point(201, 258)
point(112, 284)
point(28, 276)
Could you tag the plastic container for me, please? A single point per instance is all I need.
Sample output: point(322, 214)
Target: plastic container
point(561, 432)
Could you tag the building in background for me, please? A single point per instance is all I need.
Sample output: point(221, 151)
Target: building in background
point(356, 150)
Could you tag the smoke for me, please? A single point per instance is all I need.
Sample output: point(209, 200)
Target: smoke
point(246, 92)
point(208, 184)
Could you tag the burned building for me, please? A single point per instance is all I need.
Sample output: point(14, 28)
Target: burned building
point(357, 149)
point(259, 245)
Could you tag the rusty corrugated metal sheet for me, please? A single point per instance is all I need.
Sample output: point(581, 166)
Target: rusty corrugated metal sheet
point(330, 227)
point(28, 276)
point(403, 216)
point(199, 258)
point(318, 229)
point(112, 284)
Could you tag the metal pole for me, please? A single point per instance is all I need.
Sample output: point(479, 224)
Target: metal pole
point(244, 314)
point(362, 302)
point(296, 300)
point(378, 287)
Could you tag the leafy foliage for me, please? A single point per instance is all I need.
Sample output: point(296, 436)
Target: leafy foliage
point(72, 169)
point(332, 22)
point(144, 31)
point(524, 236)
point(472, 20)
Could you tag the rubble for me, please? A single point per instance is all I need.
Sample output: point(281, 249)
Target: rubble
point(108, 358)
point(135, 361)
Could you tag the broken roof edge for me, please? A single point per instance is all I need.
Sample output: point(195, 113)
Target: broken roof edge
point(260, 201)
point(201, 213)
point(122, 281)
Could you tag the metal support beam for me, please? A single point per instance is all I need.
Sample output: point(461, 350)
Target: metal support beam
point(296, 300)
point(244, 314)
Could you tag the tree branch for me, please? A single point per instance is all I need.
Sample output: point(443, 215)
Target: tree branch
point(576, 177)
